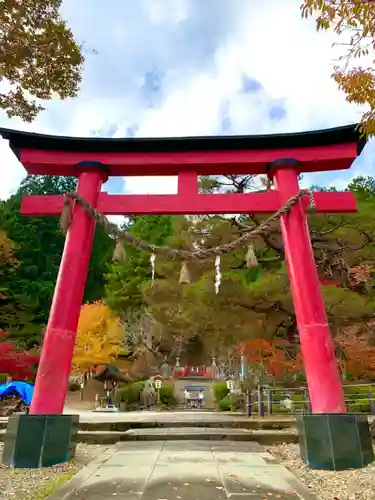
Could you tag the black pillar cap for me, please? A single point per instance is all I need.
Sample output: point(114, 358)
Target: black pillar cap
point(281, 162)
point(94, 165)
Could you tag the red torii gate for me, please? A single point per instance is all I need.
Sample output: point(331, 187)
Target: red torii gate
point(282, 157)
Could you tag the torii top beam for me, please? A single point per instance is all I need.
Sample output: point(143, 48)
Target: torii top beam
point(321, 150)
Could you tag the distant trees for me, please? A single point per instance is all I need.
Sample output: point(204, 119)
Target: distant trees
point(37, 247)
point(164, 318)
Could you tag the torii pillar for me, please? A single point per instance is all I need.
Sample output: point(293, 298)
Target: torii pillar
point(59, 339)
point(283, 158)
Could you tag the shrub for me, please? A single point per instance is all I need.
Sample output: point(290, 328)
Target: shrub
point(276, 408)
point(166, 396)
point(220, 390)
point(279, 409)
point(225, 404)
point(299, 402)
point(355, 391)
point(279, 395)
point(74, 386)
point(360, 406)
point(356, 395)
point(300, 377)
point(229, 403)
point(130, 394)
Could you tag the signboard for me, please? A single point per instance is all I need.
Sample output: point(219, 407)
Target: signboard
point(230, 385)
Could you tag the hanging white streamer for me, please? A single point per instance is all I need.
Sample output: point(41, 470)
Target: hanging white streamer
point(152, 260)
point(218, 274)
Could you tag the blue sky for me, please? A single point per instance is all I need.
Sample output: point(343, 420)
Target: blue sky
point(193, 67)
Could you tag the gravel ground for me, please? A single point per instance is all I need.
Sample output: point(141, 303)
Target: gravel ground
point(37, 484)
point(355, 484)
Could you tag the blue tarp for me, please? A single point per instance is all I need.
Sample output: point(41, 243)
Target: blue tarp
point(22, 388)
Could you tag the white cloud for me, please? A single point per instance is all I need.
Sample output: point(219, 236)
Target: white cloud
point(200, 52)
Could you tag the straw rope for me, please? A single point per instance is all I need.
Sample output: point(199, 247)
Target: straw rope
point(172, 253)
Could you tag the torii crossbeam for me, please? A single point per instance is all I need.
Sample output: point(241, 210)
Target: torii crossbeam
point(282, 157)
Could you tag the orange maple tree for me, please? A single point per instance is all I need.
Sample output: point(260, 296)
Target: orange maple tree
point(273, 357)
point(355, 355)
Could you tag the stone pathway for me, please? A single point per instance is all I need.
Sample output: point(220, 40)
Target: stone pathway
point(189, 470)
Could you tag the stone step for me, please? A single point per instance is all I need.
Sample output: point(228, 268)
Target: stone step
point(191, 421)
point(210, 434)
point(185, 434)
point(186, 409)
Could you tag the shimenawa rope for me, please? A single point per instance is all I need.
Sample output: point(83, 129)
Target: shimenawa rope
point(172, 253)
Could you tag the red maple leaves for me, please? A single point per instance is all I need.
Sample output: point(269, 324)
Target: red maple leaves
point(274, 356)
point(17, 363)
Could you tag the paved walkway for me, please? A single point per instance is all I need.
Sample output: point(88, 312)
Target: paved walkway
point(189, 470)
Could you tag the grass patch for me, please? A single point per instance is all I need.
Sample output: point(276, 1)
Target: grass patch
point(50, 486)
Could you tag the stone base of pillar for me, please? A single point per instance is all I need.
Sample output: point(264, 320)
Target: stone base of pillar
point(34, 441)
point(335, 441)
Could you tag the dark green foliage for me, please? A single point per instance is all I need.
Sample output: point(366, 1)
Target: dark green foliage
point(225, 404)
point(166, 396)
point(220, 391)
point(130, 394)
point(229, 403)
point(125, 279)
point(357, 397)
point(40, 243)
point(360, 406)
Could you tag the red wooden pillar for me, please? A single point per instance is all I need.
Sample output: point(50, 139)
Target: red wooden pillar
point(59, 340)
point(321, 368)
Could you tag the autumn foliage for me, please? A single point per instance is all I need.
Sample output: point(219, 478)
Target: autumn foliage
point(355, 355)
point(39, 56)
point(100, 337)
point(17, 363)
point(355, 20)
point(278, 358)
point(274, 356)
point(7, 248)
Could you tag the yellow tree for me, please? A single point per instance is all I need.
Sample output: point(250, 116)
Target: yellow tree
point(7, 248)
point(354, 23)
point(39, 56)
point(100, 337)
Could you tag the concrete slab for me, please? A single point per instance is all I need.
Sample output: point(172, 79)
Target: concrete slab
point(181, 473)
point(236, 446)
point(193, 446)
point(231, 459)
point(244, 480)
point(188, 470)
point(132, 460)
point(192, 490)
point(138, 447)
point(187, 457)
point(116, 480)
